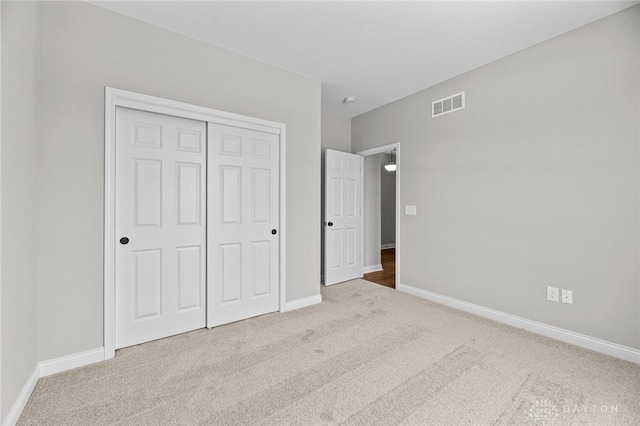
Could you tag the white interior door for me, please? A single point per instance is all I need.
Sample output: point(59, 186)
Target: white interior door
point(343, 217)
point(160, 225)
point(243, 220)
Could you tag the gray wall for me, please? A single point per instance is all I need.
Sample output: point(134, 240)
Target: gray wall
point(87, 48)
point(371, 210)
point(336, 132)
point(20, 74)
point(534, 183)
point(387, 203)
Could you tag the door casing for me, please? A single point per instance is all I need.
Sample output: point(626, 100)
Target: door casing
point(122, 98)
point(379, 150)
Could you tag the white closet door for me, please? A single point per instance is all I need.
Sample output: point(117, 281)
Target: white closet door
point(160, 225)
point(343, 217)
point(243, 220)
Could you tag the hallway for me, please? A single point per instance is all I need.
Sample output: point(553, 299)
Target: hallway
point(386, 277)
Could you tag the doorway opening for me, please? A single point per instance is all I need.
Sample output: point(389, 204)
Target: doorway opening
point(381, 215)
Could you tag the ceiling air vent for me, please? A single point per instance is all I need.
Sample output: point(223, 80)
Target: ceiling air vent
point(447, 105)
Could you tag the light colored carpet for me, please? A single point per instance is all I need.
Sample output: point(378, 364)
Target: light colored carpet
point(367, 355)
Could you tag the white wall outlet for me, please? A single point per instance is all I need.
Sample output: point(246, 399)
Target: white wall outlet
point(552, 293)
point(412, 210)
point(567, 296)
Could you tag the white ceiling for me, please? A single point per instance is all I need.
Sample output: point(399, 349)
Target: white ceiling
point(376, 51)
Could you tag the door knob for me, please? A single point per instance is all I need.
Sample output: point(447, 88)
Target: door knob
point(124, 240)
point(274, 232)
point(330, 224)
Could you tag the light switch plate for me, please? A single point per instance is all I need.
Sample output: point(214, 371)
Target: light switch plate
point(411, 210)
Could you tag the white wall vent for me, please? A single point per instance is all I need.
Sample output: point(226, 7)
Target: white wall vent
point(447, 105)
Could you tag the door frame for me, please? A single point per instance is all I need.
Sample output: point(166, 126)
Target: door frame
point(380, 150)
point(126, 99)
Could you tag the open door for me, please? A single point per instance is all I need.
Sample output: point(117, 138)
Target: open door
point(343, 217)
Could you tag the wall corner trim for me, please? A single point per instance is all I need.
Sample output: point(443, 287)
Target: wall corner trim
point(598, 345)
point(23, 398)
point(69, 362)
point(301, 303)
point(372, 268)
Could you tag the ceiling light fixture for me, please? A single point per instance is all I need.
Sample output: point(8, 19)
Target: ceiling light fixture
point(392, 166)
point(349, 100)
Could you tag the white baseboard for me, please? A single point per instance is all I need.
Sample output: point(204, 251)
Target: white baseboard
point(588, 342)
point(301, 303)
point(69, 362)
point(372, 268)
point(388, 246)
point(47, 368)
point(16, 410)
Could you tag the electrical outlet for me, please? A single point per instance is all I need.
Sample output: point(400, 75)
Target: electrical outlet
point(567, 296)
point(411, 210)
point(552, 293)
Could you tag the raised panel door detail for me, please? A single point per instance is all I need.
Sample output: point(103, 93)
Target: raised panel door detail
point(189, 277)
point(350, 165)
point(189, 141)
point(350, 202)
point(189, 193)
point(147, 135)
point(261, 149)
point(336, 244)
point(147, 192)
point(336, 210)
point(261, 254)
point(231, 145)
point(231, 268)
point(336, 164)
point(147, 283)
point(231, 199)
point(261, 195)
point(351, 246)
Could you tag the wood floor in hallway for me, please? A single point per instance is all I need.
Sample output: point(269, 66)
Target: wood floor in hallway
point(386, 277)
